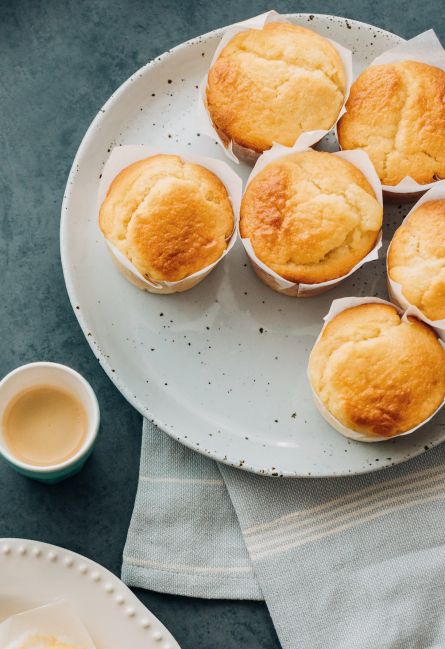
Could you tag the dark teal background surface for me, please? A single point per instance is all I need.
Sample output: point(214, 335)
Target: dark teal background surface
point(59, 62)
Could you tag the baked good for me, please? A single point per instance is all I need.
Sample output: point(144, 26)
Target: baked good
point(44, 642)
point(377, 374)
point(416, 259)
point(396, 113)
point(271, 84)
point(169, 217)
point(310, 216)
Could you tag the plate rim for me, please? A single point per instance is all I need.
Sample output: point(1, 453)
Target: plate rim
point(26, 548)
point(70, 288)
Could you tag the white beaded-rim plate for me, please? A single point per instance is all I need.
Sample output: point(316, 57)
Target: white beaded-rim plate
point(33, 574)
point(221, 368)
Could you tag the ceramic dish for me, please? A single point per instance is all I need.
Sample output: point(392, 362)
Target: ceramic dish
point(221, 368)
point(33, 574)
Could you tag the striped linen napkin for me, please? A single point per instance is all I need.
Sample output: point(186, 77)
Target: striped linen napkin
point(344, 563)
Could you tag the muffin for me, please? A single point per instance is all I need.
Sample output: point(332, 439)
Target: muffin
point(169, 218)
point(310, 216)
point(416, 259)
point(376, 374)
point(396, 113)
point(271, 84)
point(44, 642)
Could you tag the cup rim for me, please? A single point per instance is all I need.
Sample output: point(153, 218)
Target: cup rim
point(93, 422)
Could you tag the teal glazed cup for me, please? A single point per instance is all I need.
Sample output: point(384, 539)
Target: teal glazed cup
point(61, 376)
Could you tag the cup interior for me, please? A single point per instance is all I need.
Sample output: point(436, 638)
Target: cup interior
point(55, 375)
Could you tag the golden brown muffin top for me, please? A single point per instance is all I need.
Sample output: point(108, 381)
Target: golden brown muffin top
point(378, 374)
point(169, 217)
point(310, 216)
point(416, 259)
point(269, 85)
point(396, 113)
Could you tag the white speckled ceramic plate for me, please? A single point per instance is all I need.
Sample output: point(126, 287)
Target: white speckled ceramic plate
point(33, 574)
point(222, 368)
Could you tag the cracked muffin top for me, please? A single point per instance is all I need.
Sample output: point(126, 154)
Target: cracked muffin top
point(310, 216)
point(169, 217)
point(271, 84)
point(416, 259)
point(396, 113)
point(376, 373)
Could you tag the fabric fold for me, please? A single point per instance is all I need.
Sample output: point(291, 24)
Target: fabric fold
point(184, 536)
point(345, 563)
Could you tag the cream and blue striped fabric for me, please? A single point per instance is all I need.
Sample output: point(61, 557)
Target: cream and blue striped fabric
point(345, 563)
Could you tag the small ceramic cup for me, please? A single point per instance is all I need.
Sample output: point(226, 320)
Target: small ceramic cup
point(61, 376)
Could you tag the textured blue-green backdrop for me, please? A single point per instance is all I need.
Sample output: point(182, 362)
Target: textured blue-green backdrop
point(59, 62)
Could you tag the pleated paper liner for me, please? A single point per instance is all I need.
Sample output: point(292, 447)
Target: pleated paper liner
point(394, 288)
point(297, 289)
point(31, 628)
point(337, 307)
point(233, 150)
point(425, 48)
point(123, 156)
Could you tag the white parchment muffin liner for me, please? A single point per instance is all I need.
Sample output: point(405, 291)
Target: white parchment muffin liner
point(394, 288)
point(425, 48)
point(275, 281)
point(58, 620)
point(235, 151)
point(123, 156)
point(337, 307)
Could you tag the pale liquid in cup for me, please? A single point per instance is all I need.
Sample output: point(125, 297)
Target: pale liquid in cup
point(44, 425)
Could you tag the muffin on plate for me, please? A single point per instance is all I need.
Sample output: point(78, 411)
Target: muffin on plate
point(396, 113)
point(168, 217)
point(271, 84)
point(377, 375)
point(416, 259)
point(310, 216)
